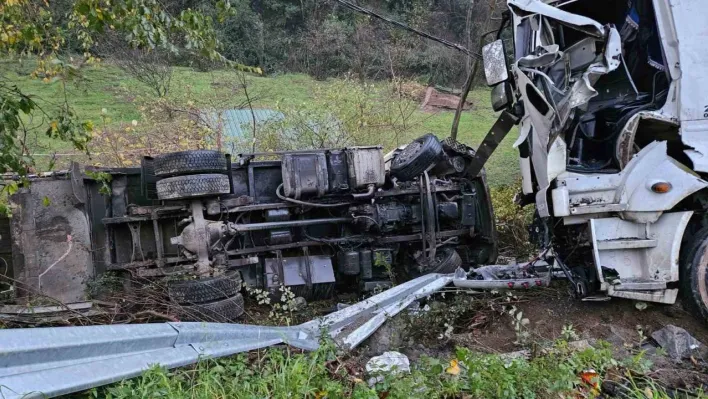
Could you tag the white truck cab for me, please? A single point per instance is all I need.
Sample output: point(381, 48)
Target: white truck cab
point(610, 98)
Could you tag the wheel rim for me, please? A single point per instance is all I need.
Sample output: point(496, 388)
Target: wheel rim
point(702, 276)
point(409, 152)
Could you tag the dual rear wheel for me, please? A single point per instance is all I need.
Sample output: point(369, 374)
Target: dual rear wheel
point(191, 174)
point(212, 299)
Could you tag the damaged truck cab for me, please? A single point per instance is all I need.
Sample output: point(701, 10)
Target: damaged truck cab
point(613, 138)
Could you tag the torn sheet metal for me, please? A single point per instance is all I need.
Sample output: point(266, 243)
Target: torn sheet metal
point(579, 22)
point(583, 90)
point(545, 116)
point(47, 362)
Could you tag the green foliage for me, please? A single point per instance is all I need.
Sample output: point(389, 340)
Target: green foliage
point(555, 373)
point(342, 113)
point(13, 105)
point(512, 221)
point(103, 178)
point(278, 373)
point(325, 40)
point(35, 29)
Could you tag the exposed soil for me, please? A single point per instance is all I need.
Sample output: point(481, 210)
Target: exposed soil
point(616, 321)
point(489, 330)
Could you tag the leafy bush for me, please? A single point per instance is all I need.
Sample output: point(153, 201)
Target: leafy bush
point(512, 221)
point(342, 113)
point(164, 127)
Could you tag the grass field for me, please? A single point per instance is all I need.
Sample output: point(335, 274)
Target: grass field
point(107, 87)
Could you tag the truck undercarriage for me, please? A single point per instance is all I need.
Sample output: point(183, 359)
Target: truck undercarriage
point(311, 221)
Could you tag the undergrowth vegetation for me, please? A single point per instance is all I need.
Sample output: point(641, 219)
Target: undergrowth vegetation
point(559, 371)
point(512, 221)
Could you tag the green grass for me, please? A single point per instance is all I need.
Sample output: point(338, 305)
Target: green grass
point(281, 373)
point(503, 165)
point(106, 86)
point(97, 89)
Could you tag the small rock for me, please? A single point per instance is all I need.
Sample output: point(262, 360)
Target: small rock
point(387, 363)
point(391, 336)
point(300, 303)
point(678, 343)
point(341, 306)
point(579, 345)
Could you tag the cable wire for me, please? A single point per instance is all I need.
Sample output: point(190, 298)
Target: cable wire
point(446, 43)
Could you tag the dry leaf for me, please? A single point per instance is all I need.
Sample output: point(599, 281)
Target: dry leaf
point(454, 368)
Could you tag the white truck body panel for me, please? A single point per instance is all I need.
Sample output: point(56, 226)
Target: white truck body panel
point(635, 230)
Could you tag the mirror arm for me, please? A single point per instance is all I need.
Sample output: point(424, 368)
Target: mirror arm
point(505, 19)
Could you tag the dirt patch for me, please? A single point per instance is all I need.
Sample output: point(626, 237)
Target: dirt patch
point(482, 325)
point(615, 321)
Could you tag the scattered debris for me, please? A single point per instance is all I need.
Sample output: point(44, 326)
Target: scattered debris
point(435, 100)
point(387, 363)
point(679, 344)
point(454, 368)
point(640, 305)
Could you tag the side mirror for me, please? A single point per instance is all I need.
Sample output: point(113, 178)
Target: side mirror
point(501, 96)
point(495, 68)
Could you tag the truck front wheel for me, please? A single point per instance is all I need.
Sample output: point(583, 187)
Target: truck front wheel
point(694, 275)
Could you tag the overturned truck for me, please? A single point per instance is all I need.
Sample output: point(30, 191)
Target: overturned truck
point(205, 222)
point(610, 98)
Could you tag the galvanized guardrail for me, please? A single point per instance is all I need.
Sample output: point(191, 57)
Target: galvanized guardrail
point(47, 362)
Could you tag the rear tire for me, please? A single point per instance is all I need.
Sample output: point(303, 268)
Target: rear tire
point(189, 162)
point(694, 275)
point(221, 311)
point(192, 186)
point(417, 157)
point(210, 289)
point(448, 261)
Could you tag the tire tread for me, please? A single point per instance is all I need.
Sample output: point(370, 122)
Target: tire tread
point(191, 186)
point(189, 162)
point(187, 292)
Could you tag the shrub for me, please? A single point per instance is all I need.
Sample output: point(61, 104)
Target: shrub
point(512, 221)
point(341, 113)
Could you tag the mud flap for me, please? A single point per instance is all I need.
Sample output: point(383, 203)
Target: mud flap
point(645, 256)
